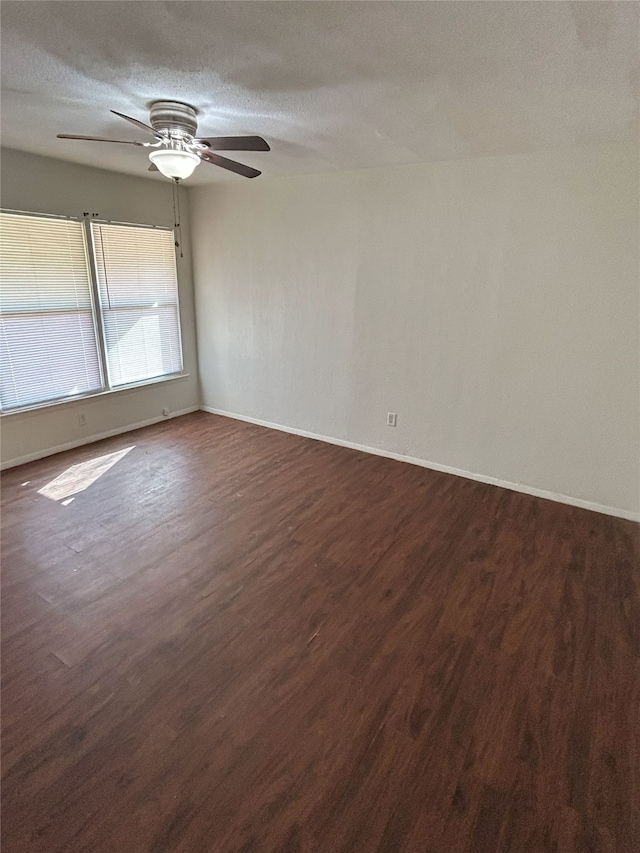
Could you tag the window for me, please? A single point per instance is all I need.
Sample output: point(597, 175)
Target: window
point(48, 347)
point(69, 327)
point(139, 299)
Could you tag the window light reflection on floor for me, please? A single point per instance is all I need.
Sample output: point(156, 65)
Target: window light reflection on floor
point(79, 477)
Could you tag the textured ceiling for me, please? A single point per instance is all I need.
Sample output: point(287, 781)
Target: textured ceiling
point(331, 85)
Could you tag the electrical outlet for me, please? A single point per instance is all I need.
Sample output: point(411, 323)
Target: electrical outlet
point(166, 412)
point(82, 419)
point(392, 419)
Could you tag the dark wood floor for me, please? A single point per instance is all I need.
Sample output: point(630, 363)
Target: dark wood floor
point(240, 640)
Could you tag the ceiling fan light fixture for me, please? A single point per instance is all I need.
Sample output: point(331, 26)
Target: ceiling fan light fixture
point(177, 149)
point(174, 164)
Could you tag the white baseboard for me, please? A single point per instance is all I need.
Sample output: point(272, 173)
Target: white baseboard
point(436, 466)
point(69, 445)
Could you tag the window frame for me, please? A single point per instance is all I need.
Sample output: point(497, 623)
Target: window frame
point(97, 315)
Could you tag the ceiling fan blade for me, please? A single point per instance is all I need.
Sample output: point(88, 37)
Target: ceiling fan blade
point(153, 168)
point(136, 122)
point(231, 165)
point(236, 143)
point(98, 139)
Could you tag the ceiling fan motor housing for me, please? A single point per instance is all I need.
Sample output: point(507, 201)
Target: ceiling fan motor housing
point(174, 119)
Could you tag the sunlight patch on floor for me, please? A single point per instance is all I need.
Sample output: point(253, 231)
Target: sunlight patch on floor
point(79, 477)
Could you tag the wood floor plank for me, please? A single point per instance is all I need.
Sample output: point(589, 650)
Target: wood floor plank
point(219, 637)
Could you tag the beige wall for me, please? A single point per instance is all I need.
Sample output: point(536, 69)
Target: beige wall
point(43, 185)
point(492, 303)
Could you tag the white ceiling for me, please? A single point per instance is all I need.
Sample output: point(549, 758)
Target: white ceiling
point(331, 85)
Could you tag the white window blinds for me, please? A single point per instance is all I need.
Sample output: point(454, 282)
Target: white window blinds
point(138, 290)
point(48, 348)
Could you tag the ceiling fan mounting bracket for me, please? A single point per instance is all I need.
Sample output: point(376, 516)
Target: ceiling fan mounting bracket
point(173, 119)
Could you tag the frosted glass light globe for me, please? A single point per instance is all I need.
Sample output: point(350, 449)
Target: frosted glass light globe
point(174, 164)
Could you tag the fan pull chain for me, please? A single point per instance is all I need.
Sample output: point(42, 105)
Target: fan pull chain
point(177, 229)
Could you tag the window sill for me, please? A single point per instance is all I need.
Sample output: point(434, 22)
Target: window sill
point(82, 399)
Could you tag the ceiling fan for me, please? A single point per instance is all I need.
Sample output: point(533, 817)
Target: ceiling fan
point(176, 149)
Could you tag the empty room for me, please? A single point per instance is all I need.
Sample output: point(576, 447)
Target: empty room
point(320, 427)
